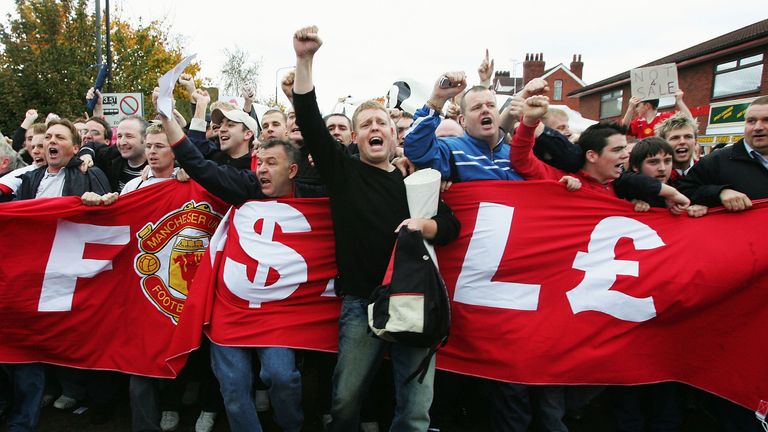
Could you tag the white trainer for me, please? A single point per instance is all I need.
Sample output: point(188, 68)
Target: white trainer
point(169, 421)
point(65, 403)
point(205, 422)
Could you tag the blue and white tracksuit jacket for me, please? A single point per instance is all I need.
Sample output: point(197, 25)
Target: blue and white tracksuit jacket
point(462, 158)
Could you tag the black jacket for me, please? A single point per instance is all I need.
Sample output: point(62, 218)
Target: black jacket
point(728, 168)
point(108, 159)
point(231, 184)
point(76, 182)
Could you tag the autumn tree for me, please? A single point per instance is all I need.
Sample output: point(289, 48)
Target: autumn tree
point(48, 53)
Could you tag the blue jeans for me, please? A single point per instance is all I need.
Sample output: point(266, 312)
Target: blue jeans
point(360, 354)
point(232, 367)
point(28, 385)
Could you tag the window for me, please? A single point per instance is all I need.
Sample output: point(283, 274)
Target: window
point(738, 76)
point(558, 90)
point(610, 104)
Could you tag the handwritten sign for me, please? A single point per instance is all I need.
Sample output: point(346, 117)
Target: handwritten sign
point(654, 82)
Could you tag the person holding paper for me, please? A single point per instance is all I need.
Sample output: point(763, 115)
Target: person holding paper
point(368, 203)
point(647, 117)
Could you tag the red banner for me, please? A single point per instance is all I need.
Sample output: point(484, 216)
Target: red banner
point(551, 287)
point(101, 287)
point(574, 288)
point(268, 281)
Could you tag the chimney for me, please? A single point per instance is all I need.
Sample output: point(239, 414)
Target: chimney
point(577, 67)
point(533, 67)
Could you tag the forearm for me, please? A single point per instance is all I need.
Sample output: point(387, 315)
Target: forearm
point(627, 116)
point(303, 82)
point(683, 108)
point(172, 129)
point(200, 110)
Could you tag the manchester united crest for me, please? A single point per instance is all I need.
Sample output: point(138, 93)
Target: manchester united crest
point(171, 250)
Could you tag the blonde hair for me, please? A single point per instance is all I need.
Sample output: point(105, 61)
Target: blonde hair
point(155, 128)
point(677, 121)
point(367, 105)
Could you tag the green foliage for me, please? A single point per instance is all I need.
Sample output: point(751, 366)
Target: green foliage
point(47, 54)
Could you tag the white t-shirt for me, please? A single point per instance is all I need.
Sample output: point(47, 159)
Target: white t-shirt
point(137, 183)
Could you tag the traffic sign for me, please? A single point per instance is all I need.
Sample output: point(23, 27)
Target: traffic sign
point(118, 105)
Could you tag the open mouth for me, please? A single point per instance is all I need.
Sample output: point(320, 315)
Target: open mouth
point(38, 160)
point(53, 151)
point(376, 142)
point(295, 129)
point(486, 121)
point(223, 137)
point(264, 181)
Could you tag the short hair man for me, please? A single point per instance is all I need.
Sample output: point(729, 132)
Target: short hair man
point(11, 181)
point(643, 116)
point(368, 203)
point(274, 177)
point(235, 147)
point(680, 132)
point(122, 162)
point(61, 176)
point(340, 127)
point(735, 175)
point(274, 125)
point(605, 154)
point(23, 134)
point(144, 391)
point(558, 120)
point(98, 131)
point(480, 154)
point(403, 124)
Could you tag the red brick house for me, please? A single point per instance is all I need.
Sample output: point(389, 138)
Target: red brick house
point(720, 77)
point(562, 80)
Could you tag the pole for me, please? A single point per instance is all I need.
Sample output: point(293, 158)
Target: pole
point(98, 32)
point(109, 51)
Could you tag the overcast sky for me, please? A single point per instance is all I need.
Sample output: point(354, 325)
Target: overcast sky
point(369, 45)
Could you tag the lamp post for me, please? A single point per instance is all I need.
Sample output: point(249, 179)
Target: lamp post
point(277, 78)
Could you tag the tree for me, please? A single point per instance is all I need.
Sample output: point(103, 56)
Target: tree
point(238, 71)
point(48, 53)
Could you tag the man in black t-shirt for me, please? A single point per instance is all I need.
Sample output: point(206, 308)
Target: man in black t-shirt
point(368, 204)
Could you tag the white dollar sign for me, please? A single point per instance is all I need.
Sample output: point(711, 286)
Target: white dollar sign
point(270, 254)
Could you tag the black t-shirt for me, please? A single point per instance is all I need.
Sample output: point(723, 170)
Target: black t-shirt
point(367, 205)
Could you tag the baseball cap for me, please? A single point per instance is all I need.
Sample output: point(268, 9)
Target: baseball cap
point(237, 116)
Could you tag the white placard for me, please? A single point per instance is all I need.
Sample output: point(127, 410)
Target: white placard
point(654, 82)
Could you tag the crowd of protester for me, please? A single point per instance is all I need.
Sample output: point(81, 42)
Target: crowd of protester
point(359, 163)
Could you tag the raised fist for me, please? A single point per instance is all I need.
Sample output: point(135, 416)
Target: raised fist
point(306, 42)
point(534, 109)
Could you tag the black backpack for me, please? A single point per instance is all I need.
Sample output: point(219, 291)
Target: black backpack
point(411, 307)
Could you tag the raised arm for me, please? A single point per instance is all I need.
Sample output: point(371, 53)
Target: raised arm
point(630, 114)
point(680, 103)
point(521, 152)
point(231, 184)
point(421, 144)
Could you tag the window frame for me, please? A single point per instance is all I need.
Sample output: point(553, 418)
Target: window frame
point(740, 65)
point(619, 97)
point(556, 90)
